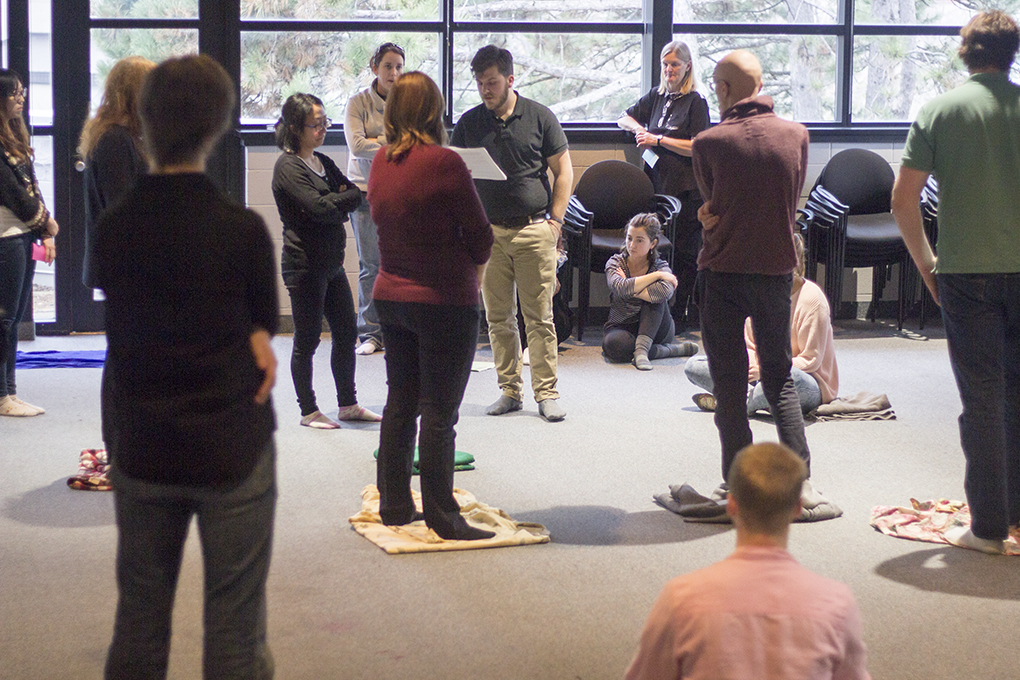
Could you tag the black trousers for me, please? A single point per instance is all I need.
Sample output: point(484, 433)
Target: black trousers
point(655, 322)
point(314, 294)
point(726, 301)
point(429, 350)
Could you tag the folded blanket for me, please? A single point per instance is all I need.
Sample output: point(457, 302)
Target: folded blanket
point(92, 468)
point(693, 507)
point(51, 358)
point(928, 521)
point(416, 537)
point(461, 461)
point(861, 406)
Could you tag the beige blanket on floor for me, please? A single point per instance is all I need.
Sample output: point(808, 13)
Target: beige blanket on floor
point(416, 537)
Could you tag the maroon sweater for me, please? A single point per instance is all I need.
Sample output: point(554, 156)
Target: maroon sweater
point(750, 169)
point(433, 231)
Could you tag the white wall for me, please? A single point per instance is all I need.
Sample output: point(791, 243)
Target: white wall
point(260, 162)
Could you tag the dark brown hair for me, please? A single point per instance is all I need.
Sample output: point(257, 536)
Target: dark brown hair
point(292, 119)
point(119, 105)
point(187, 103)
point(382, 51)
point(14, 135)
point(989, 39)
point(653, 229)
point(490, 56)
point(414, 114)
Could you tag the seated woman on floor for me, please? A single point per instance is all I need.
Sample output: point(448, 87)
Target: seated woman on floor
point(640, 327)
point(814, 371)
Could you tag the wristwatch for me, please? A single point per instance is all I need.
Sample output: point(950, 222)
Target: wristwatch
point(658, 141)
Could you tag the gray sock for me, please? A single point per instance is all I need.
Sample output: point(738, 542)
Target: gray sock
point(551, 410)
point(503, 405)
point(642, 344)
point(683, 349)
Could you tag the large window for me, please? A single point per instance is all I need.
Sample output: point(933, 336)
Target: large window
point(826, 63)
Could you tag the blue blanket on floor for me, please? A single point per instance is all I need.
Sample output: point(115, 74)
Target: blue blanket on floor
point(54, 359)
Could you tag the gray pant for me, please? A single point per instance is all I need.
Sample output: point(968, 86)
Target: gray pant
point(235, 525)
point(367, 239)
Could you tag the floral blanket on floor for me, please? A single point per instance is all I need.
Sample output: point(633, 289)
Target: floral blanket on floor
point(928, 521)
point(92, 468)
point(416, 537)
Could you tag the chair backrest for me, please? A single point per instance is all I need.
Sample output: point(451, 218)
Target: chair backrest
point(615, 191)
point(860, 179)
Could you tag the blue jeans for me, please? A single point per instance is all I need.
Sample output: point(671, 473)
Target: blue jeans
point(808, 391)
point(17, 268)
point(236, 529)
point(726, 300)
point(981, 313)
point(314, 294)
point(429, 350)
point(367, 238)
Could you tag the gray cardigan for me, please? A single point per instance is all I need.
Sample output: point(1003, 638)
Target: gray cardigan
point(363, 129)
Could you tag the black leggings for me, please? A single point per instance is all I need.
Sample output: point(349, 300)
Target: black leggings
point(314, 294)
point(654, 321)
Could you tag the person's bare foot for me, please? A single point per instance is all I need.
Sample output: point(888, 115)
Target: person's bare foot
point(319, 421)
point(357, 412)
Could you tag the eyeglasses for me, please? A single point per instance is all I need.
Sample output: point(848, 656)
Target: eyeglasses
point(20, 94)
point(324, 125)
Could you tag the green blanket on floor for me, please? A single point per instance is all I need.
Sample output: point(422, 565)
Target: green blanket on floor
point(461, 460)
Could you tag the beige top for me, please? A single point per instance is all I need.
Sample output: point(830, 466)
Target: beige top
point(814, 351)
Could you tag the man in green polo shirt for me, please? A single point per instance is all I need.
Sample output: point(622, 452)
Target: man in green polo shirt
point(969, 138)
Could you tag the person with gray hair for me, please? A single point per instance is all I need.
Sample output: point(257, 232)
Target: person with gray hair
point(664, 122)
point(969, 138)
point(758, 613)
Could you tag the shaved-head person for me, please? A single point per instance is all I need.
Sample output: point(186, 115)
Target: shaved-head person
point(750, 169)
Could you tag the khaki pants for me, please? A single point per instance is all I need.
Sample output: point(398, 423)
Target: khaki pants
point(523, 261)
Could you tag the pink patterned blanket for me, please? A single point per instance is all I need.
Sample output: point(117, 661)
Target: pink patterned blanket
point(928, 521)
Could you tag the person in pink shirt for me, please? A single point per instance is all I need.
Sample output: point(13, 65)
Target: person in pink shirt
point(814, 370)
point(758, 613)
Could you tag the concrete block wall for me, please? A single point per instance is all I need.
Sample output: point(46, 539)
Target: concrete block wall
point(260, 161)
point(259, 165)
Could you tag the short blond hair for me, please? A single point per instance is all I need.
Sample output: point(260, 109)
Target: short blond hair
point(765, 480)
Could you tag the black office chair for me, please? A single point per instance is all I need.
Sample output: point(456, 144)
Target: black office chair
point(608, 194)
point(849, 224)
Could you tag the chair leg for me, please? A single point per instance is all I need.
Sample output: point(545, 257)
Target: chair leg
point(583, 298)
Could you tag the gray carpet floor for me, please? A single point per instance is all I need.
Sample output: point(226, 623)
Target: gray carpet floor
point(339, 607)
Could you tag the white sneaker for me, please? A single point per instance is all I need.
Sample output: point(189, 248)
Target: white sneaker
point(9, 406)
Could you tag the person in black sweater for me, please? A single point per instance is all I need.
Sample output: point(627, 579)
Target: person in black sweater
point(314, 199)
point(110, 147)
point(191, 306)
point(23, 221)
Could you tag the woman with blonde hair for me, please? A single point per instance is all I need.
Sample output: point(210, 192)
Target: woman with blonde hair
point(23, 221)
point(664, 122)
point(110, 146)
point(434, 238)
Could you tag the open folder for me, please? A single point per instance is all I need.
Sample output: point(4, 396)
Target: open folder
point(479, 163)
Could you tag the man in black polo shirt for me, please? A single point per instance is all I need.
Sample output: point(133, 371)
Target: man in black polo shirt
point(526, 212)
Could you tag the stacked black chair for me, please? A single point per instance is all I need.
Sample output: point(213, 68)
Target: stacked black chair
point(848, 223)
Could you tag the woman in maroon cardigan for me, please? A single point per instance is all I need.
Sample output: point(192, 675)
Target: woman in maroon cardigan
point(434, 238)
